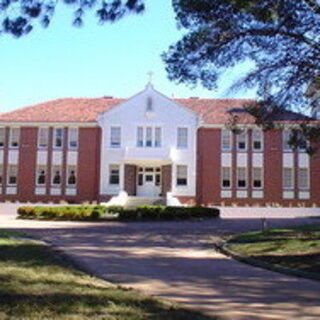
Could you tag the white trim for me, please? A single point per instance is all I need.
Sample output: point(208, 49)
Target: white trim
point(262, 178)
point(245, 134)
point(221, 178)
point(246, 178)
point(77, 138)
point(48, 124)
point(54, 147)
point(38, 141)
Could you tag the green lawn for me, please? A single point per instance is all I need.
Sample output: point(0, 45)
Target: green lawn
point(296, 248)
point(35, 284)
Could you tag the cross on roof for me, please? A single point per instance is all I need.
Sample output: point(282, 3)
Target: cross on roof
point(150, 75)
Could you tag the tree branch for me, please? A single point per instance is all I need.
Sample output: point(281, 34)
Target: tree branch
point(314, 5)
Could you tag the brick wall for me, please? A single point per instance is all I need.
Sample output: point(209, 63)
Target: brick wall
point(130, 179)
point(166, 179)
point(209, 170)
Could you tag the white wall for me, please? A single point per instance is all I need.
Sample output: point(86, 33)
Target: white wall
point(167, 115)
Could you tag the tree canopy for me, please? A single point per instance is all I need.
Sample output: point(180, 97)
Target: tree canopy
point(282, 37)
point(18, 17)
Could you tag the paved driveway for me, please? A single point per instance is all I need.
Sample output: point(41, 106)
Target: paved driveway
point(175, 260)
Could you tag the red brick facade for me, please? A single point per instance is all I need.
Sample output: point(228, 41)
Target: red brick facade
point(208, 171)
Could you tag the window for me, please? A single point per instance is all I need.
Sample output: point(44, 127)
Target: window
point(1, 173)
point(114, 174)
point(226, 140)
point(73, 138)
point(242, 177)
point(41, 176)
point(242, 141)
point(2, 137)
point(182, 175)
point(58, 138)
point(157, 137)
point(302, 141)
point(286, 135)
point(56, 176)
point(182, 138)
point(226, 177)
point(288, 177)
point(148, 137)
point(14, 137)
point(303, 178)
point(71, 176)
point(115, 137)
point(140, 137)
point(43, 136)
point(257, 140)
point(257, 178)
point(12, 175)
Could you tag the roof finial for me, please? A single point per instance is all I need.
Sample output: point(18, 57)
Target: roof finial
point(150, 75)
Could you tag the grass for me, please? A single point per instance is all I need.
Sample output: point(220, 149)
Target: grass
point(36, 284)
point(296, 248)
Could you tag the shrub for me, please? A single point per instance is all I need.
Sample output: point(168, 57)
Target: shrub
point(62, 213)
point(145, 212)
point(167, 213)
point(114, 209)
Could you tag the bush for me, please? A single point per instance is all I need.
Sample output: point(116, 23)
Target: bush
point(167, 213)
point(145, 212)
point(114, 209)
point(62, 213)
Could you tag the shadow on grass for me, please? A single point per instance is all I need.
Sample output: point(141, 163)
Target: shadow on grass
point(36, 285)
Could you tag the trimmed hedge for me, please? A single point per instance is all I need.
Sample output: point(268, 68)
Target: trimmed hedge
point(145, 212)
point(62, 212)
point(152, 212)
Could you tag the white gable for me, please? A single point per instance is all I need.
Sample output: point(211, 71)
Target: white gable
point(137, 109)
point(150, 110)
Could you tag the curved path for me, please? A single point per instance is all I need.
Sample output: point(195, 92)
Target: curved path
point(175, 260)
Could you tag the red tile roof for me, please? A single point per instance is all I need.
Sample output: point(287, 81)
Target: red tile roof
point(212, 111)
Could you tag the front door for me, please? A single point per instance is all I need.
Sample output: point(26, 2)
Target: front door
point(149, 182)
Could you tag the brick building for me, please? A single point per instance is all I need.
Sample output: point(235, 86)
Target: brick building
point(152, 146)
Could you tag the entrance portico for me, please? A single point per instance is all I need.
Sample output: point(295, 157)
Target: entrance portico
point(143, 180)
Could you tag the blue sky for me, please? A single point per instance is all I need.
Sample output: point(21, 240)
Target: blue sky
point(95, 60)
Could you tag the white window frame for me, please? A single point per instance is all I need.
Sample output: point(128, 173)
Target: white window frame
point(262, 178)
point(292, 178)
point(114, 143)
point(184, 143)
point(40, 130)
point(149, 134)
point(75, 138)
point(285, 138)
point(140, 139)
point(117, 166)
point(41, 167)
point(54, 138)
point(53, 169)
point(2, 137)
point(307, 187)
point(246, 178)
point(222, 177)
point(184, 177)
point(9, 174)
point(226, 135)
point(68, 171)
point(157, 137)
point(11, 140)
point(1, 174)
point(244, 134)
point(261, 140)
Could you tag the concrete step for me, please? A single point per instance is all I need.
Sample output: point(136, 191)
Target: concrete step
point(133, 202)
